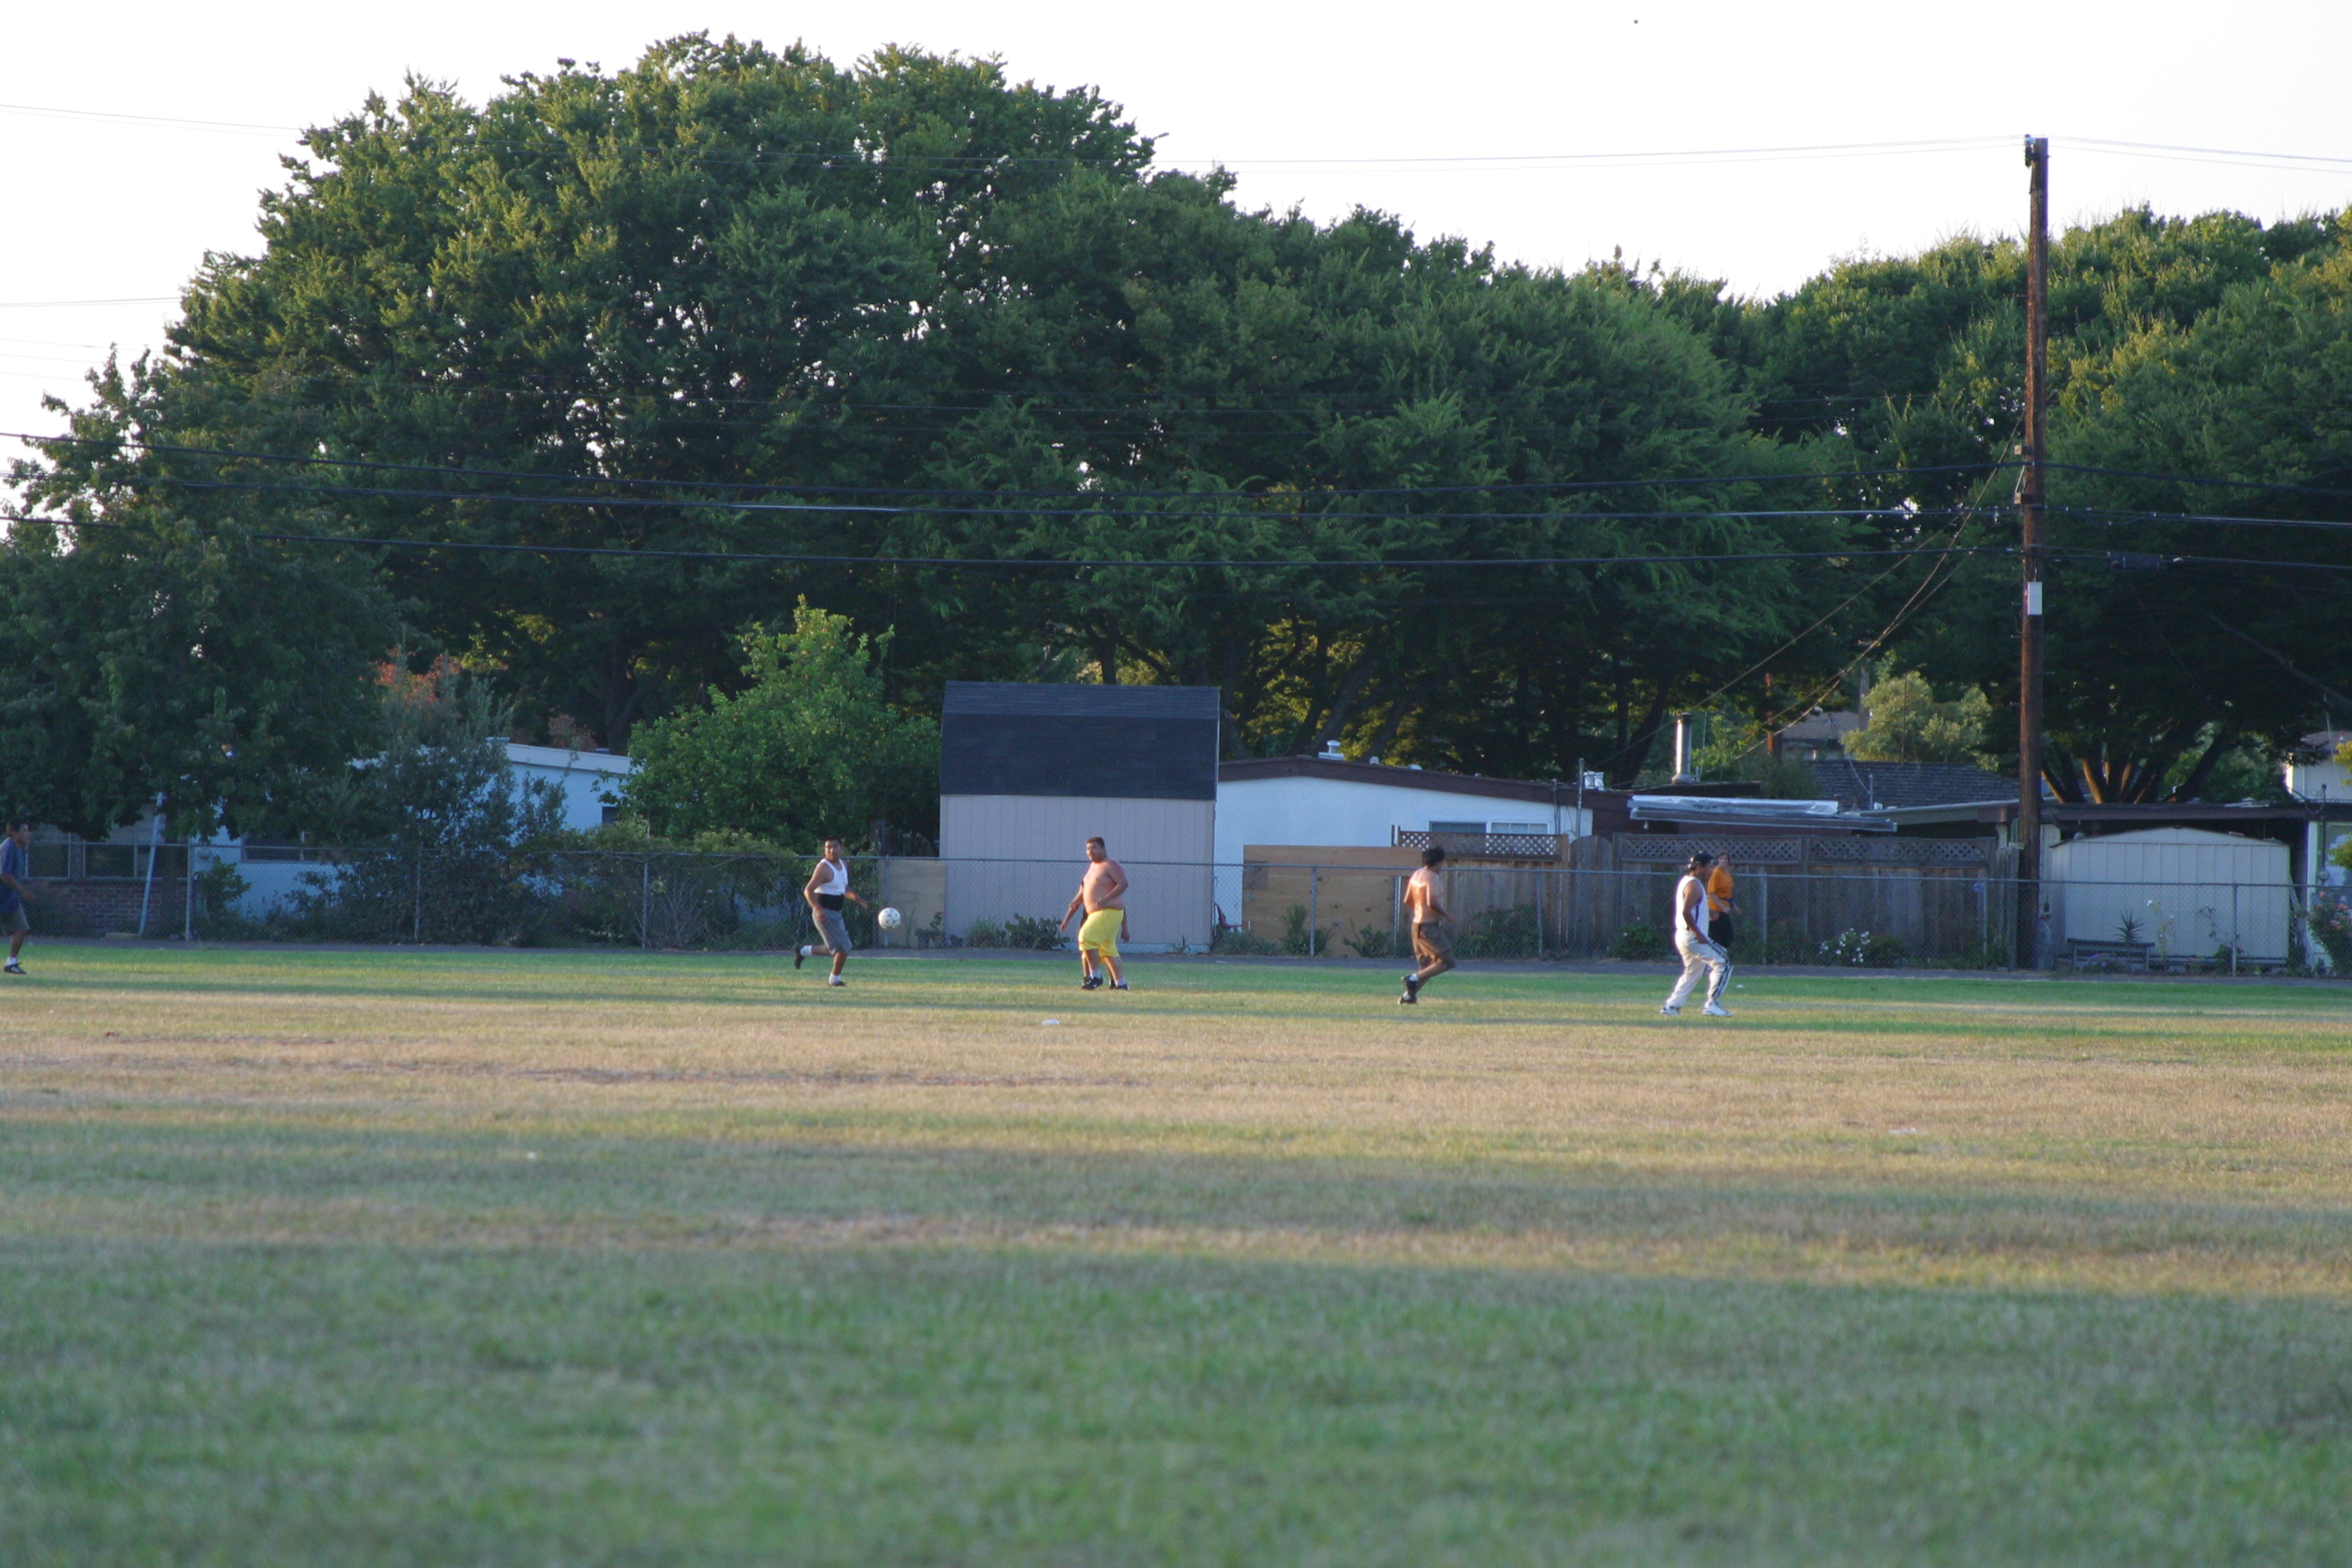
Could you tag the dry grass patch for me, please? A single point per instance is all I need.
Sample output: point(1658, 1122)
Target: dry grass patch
point(397, 1257)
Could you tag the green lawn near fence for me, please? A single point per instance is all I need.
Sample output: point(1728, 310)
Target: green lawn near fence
point(533, 1257)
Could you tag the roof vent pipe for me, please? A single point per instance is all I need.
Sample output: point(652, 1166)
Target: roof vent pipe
point(1331, 752)
point(1683, 773)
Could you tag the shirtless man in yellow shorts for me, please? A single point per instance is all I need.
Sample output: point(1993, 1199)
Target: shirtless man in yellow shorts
point(1102, 894)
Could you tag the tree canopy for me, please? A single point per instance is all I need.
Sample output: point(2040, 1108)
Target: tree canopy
point(598, 374)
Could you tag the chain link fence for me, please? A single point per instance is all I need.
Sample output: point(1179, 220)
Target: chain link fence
point(1883, 916)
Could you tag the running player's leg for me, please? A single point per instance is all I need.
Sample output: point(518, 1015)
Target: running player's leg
point(1434, 946)
point(1719, 974)
point(829, 925)
point(1695, 963)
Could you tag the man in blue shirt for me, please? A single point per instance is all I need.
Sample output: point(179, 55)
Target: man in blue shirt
point(16, 871)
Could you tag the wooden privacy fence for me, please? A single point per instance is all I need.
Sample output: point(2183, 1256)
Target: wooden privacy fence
point(1801, 900)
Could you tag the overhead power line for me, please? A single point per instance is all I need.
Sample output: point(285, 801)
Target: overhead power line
point(68, 304)
point(1084, 501)
point(311, 460)
point(1369, 563)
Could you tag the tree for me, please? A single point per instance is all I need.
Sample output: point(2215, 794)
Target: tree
point(2193, 361)
point(438, 833)
point(166, 647)
point(810, 749)
point(1908, 725)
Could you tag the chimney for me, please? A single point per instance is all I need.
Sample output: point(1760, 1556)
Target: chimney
point(1683, 773)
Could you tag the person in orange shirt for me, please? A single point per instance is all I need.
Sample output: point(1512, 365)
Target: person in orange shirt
point(1719, 907)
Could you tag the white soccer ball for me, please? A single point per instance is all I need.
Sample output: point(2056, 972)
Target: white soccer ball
point(889, 919)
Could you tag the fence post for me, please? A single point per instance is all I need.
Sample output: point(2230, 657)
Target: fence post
point(2235, 937)
point(1314, 906)
point(188, 922)
point(646, 900)
point(1541, 888)
point(416, 910)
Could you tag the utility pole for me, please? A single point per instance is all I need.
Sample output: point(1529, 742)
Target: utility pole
point(2029, 523)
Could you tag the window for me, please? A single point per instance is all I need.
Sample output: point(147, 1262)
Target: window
point(49, 859)
point(1500, 828)
point(1477, 828)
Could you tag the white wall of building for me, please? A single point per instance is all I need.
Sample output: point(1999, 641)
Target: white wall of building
point(1023, 854)
point(585, 778)
point(2186, 891)
point(1345, 813)
point(2329, 780)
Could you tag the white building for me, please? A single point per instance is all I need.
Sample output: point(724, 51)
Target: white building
point(275, 869)
point(588, 780)
point(1328, 801)
point(2325, 781)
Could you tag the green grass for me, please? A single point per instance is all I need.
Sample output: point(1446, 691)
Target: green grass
point(582, 1258)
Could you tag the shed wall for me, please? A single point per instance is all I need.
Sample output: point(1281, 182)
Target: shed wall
point(1023, 854)
point(2186, 891)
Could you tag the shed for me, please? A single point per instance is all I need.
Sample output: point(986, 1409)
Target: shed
point(2184, 893)
point(1028, 772)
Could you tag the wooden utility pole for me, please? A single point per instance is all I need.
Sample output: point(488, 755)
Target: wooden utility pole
point(2030, 521)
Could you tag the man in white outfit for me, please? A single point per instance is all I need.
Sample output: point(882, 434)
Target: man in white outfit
point(828, 886)
point(1691, 941)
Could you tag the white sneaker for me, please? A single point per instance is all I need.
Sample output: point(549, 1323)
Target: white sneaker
point(13, 967)
point(1712, 1011)
point(835, 980)
point(1670, 1011)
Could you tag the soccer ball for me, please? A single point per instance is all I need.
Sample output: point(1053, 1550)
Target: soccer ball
point(889, 919)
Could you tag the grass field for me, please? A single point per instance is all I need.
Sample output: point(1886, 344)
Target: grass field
point(333, 1258)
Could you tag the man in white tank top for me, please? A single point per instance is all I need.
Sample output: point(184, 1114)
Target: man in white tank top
point(1700, 955)
point(828, 886)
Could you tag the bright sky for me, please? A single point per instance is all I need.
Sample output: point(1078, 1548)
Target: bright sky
point(1529, 126)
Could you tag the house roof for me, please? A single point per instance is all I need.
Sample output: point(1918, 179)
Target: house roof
point(1908, 786)
point(1077, 699)
point(1117, 743)
point(562, 757)
point(1543, 792)
point(1819, 727)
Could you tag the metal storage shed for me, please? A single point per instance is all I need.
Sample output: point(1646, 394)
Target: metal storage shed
point(1027, 774)
point(2185, 893)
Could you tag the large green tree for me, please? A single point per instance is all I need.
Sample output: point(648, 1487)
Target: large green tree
point(810, 748)
point(914, 311)
point(169, 649)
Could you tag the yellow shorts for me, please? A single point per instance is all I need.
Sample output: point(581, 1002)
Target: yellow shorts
point(1100, 930)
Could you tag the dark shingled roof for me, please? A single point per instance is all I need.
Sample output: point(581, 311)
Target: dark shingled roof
point(1080, 701)
point(1122, 743)
point(1898, 786)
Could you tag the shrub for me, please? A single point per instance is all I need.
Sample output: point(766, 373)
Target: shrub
point(1885, 950)
point(1240, 941)
point(1499, 933)
point(1786, 943)
point(986, 934)
point(1375, 941)
point(1298, 939)
point(1640, 944)
point(1039, 933)
point(2331, 923)
point(1848, 947)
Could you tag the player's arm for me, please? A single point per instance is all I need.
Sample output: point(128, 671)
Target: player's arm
point(1118, 882)
point(808, 893)
point(22, 891)
point(1077, 903)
